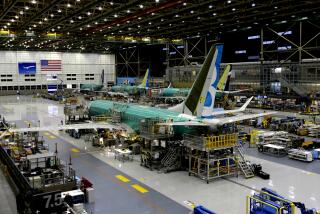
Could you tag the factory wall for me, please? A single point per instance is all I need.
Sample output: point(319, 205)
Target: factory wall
point(76, 68)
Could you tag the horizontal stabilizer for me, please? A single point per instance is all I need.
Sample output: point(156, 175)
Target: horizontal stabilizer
point(243, 108)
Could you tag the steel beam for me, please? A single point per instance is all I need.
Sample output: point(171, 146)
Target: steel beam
point(37, 15)
point(10, 6)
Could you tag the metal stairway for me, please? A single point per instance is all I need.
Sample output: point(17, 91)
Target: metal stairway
point(170, 160)
point(297, 89)
point(244, 164)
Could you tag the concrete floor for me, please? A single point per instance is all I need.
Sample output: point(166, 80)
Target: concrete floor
point(168, 193)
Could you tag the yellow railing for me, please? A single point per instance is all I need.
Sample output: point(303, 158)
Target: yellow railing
point(262, 202)
point(282, 199)
point(220, 141)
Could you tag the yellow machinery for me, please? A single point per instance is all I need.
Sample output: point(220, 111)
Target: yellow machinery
point(254, 137)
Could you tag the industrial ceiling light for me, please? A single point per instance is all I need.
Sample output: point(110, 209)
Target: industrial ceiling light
point(214, 14)
point(26, 7)
point(184, 3)
point(253, 4)
point(58, 27)
point(99, 8)
point(128, 11)
point(45, 19)
point(141, 6)
point(157, 1)
point(33, 1)
point(210, 6)
point(68, 5)
point(40, 22)
point(88, 13)
point(21, 12)
point(111, 3)
point(115, 15)
point(105, 20)
point(79, 17)
point(51, 15)
point(191, 11)
point(12, 20)
point(96, 23)
point(16, 17)
point(233, 9)
point(71, 21)
point(59, 11)
point(229, 1)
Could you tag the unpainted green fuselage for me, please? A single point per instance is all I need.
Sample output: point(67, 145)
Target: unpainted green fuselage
point(132, 90)
point(183, 92)
point(132, 114)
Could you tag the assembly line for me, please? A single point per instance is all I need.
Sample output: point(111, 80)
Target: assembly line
point(159, 107)
point(194, 115)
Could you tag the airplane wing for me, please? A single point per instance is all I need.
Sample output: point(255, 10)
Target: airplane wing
point(218, 121)
point(66, 127)
point(226, 120)
point(243, 107)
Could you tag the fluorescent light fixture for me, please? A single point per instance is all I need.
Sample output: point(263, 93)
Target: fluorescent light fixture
point(253, 37)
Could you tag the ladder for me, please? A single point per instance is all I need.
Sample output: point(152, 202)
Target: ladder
point(244, 164)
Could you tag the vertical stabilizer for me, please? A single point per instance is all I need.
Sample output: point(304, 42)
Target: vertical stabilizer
point(145, 81)
point(203, 90)
point(223, 80)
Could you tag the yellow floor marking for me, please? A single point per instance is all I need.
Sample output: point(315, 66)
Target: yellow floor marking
point(52, 137)
point(47, 133)
point(122, 178)
point(75, 150)
point(139, 188)
point(26, 121)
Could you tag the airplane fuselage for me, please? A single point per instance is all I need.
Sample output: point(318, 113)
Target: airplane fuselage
point(132, 114)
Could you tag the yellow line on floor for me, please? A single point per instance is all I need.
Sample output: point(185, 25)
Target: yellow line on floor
point(52, 137)
point(139, 188)
point(75, 150)
point(122, 178)
point(47, 133)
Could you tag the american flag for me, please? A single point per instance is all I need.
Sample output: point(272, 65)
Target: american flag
point(51, 65)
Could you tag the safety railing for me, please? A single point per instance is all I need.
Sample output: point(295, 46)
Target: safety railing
point(211, 142)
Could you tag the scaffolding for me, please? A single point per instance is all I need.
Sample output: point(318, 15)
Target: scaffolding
point(213, 156)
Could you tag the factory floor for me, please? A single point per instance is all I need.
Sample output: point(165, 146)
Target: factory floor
point(157, 192)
